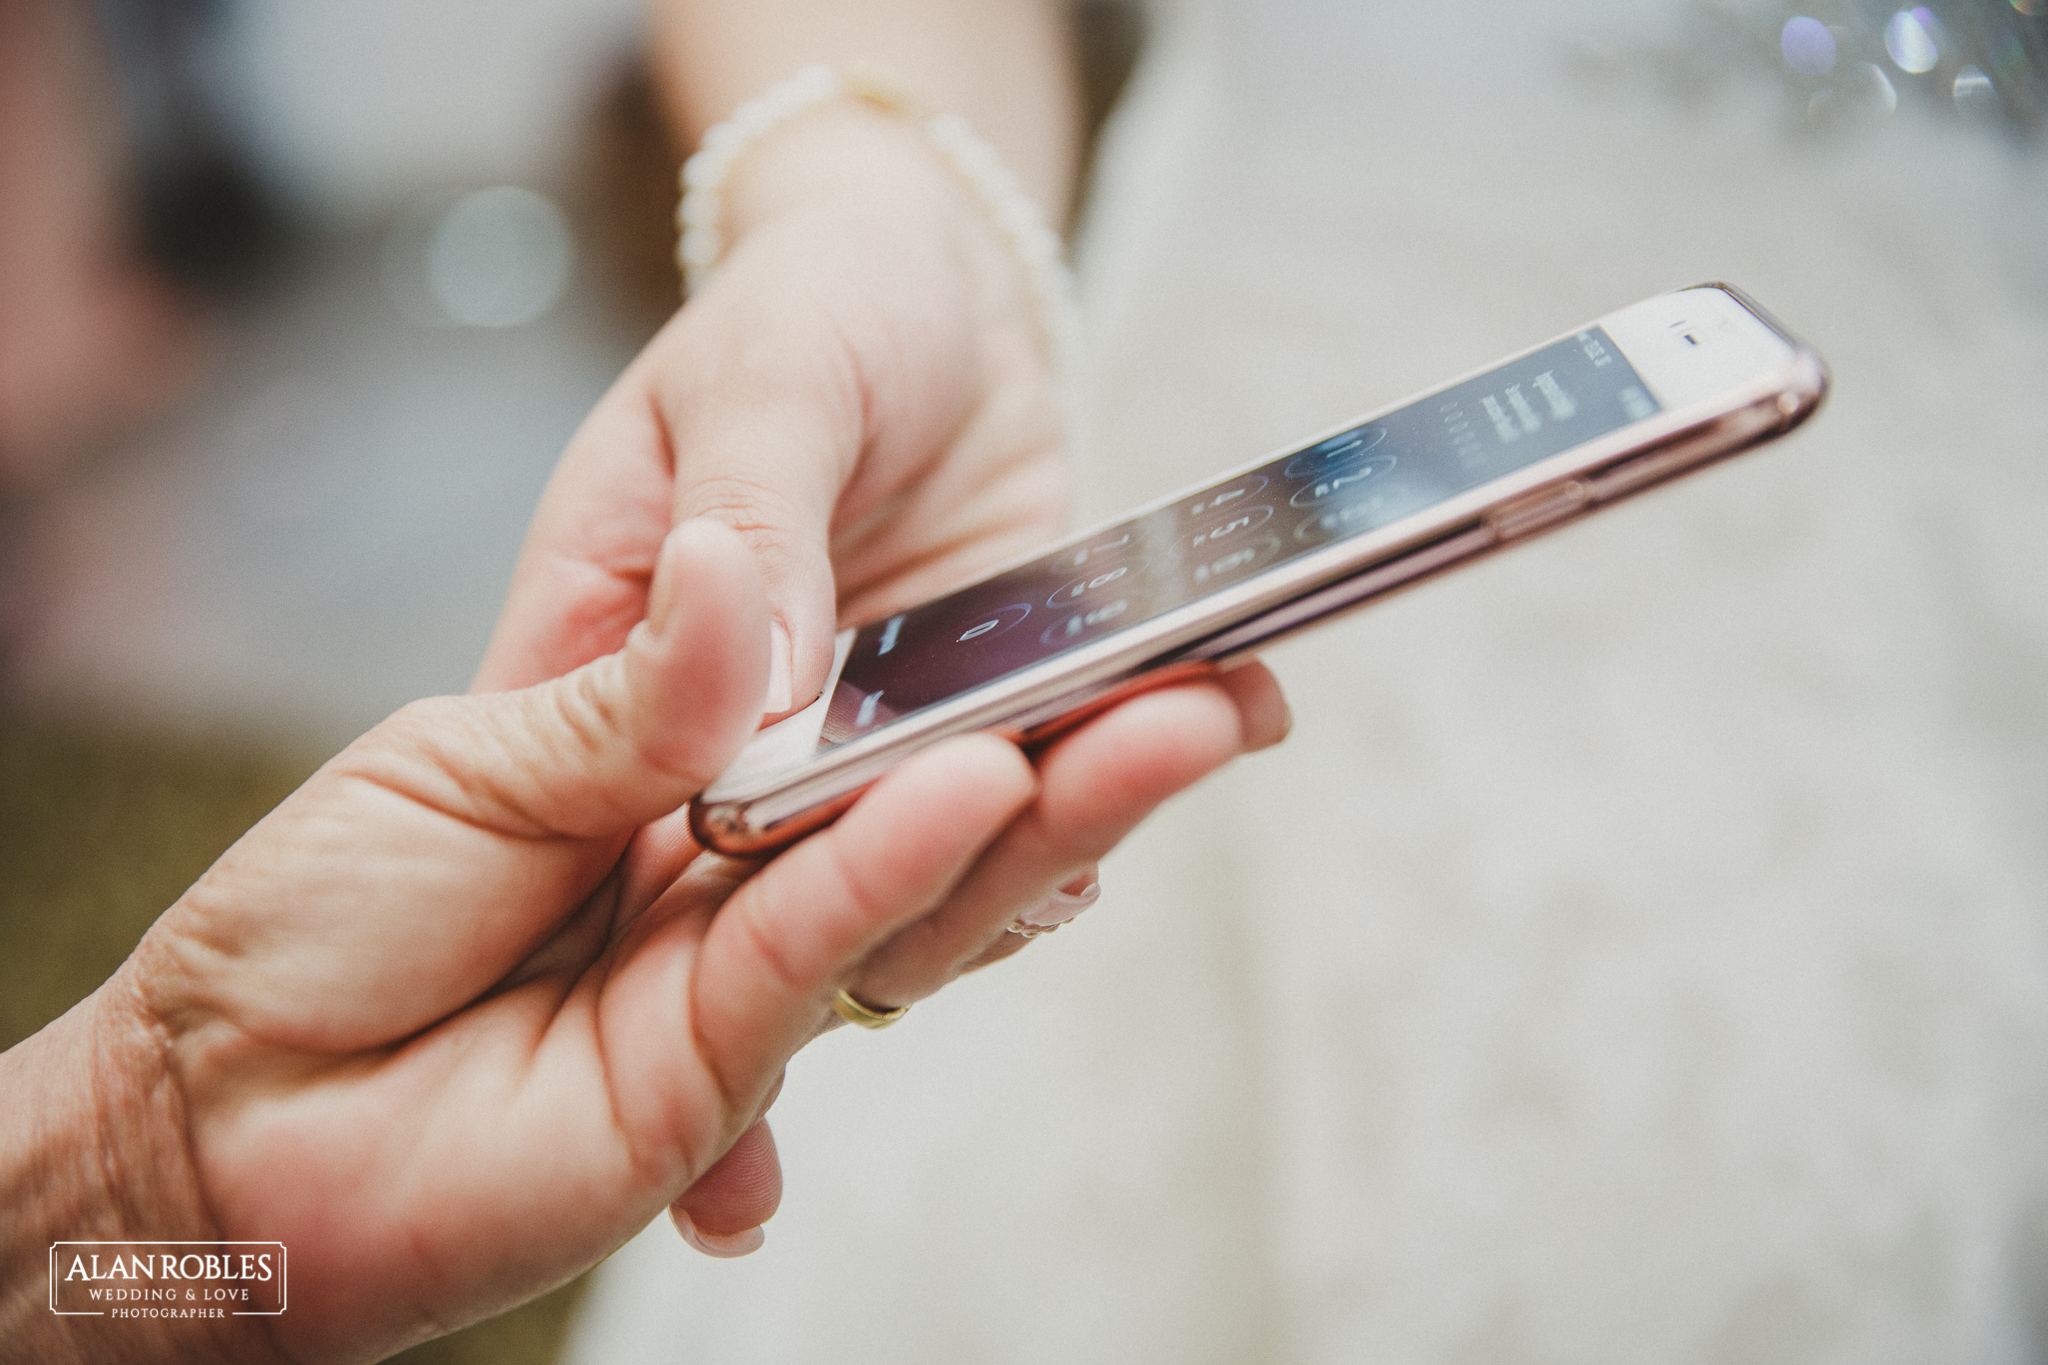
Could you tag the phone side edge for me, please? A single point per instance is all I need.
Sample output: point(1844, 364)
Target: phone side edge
point(1805, 381)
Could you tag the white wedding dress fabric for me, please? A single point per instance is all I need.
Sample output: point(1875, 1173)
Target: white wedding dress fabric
point(1639, 951)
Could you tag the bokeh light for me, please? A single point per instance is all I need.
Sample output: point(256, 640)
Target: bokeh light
point(1861, 96)
point(1911, 46)
point(1808, 46)
point(499, 257)
point(1848, 66)
point(1973, 92)
point(1930, 21)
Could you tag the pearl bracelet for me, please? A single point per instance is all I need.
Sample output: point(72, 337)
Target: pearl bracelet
point(1037, 247)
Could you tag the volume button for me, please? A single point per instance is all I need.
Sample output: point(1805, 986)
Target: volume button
point(1538, 510)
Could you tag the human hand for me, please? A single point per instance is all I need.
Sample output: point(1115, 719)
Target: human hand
point(469, 1008)
point(862, 390)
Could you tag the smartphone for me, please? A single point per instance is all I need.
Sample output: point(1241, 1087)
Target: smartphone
point(1204, 576)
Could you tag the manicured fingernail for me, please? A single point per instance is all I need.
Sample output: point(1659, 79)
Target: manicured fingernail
point(781, 670)
point(725, 1246)
point(1063, 904)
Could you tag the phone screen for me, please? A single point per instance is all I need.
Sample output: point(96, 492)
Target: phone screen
point(1570, 392)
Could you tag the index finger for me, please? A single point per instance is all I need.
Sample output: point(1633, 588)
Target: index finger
point(794, 932)
point(582, 576)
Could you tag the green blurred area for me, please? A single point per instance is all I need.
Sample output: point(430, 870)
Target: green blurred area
point(101, 828)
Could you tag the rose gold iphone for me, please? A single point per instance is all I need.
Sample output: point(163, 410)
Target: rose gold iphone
point(1617, 406)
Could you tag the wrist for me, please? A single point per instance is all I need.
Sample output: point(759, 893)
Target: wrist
point(93, 1148)
point(841, 154)
point(915, 191)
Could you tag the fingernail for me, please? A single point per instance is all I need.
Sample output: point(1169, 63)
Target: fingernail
point(661, 595)
point(1286, 725)
point(1286, 711)
point(781, 669)
point(725, 1246)
point(1063, 904)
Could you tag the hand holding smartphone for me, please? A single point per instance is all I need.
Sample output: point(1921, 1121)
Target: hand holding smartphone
point(1628, 401)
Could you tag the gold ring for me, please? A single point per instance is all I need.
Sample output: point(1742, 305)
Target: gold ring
point(853, 1012)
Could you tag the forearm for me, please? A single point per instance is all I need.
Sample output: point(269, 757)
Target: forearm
point(1004, 65)
point(92, 1148)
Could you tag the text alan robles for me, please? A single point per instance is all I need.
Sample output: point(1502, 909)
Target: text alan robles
point(167, 1279)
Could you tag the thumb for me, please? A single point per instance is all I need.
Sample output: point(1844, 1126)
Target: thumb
point(633, 735)
point(434, 854)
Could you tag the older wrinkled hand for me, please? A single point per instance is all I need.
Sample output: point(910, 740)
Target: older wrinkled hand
point(469, 1008)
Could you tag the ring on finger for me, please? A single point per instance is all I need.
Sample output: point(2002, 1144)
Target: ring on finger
point(854, 1011)
point(1060, 905)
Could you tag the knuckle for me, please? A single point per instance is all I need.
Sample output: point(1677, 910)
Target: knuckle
point(766, 517)
point(867, 907)
point(744, 501)
point(754, 923)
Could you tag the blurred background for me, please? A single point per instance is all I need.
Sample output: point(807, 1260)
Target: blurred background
point(298, 305)
point(1642, 951)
